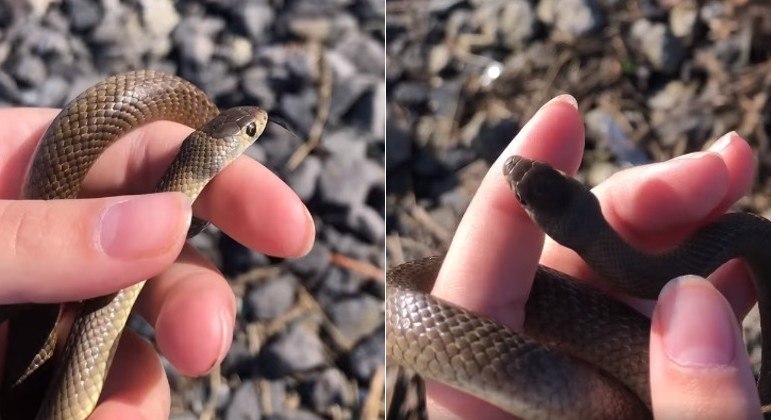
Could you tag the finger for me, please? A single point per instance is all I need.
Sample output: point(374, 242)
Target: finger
point(193, 311)
point(447, 403)
point(698, 363)
point(659, 199)
point(256, 208)
point(20, 131)
point(656, 203)
point(246, 200)
point(136, 386)
point(492, 260)
point(496, 242)
point(64, 250)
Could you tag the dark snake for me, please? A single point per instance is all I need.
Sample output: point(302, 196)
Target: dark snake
point(582, 354)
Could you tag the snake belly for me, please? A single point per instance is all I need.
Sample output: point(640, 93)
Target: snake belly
point(582, 354)
point(75, 139)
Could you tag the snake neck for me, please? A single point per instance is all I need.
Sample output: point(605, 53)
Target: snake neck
point(733, 235)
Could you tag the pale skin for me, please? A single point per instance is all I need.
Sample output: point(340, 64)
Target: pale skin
point(699, 366)
point(188, 301)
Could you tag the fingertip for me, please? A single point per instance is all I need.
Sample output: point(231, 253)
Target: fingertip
point(130, 392)
point(696, 348)
point(657, 198)
point(555, 135)
point(194, 327)
point(310, 236)
point(740, 162)
point(734, 282)
point(479, 263)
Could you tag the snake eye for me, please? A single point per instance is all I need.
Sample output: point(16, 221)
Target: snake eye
point(251, 129)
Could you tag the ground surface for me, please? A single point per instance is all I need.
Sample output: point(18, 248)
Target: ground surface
point(309, 337)
point(654, 79)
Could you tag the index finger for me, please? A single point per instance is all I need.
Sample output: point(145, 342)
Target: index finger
point(494, 254)
point(247, 200)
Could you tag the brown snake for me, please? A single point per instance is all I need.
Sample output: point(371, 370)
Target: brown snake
point(74, 140)
point(582, 354)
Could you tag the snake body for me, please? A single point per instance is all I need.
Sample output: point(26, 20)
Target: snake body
point(75, 139)
point(582, 354)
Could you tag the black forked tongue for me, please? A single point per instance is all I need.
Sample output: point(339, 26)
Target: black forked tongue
point(281, 123)
point(284, 124)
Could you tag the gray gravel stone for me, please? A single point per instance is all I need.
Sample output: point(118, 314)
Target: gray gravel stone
point(329, 389)
point(348, 143)
point(237, 51)
point(398, 145)
point(660, 47)
point(30, 70)
point(245, 404)
point(84, 14)
point(610, 135)
point(356, 317)
point(256, 86)
point(297, 415)
point(304, 179)
point(297, 107)
point(313, 263)
point(194, 37)
point(575, 18)
point(160, 18)
point(345, 93)
point(336, 282)
point(346, 182)
point(269, 299)
point(366, 222)
point(296, 350)
point(237, 258)
point(368, 355)
point(366, 53)
point(256, 17)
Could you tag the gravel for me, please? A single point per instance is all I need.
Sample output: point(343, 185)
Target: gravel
point(654, 81)
point(272, 54)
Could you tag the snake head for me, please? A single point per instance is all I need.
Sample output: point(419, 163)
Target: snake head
point(243, 125)
point(556, 202)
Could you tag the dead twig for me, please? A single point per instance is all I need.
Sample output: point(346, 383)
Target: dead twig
point(360, 267)
point(322, 112)
point(215, 381)
point(373, 403)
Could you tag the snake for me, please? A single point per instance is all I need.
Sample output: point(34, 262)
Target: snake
point(75, 139)
point(582, 353)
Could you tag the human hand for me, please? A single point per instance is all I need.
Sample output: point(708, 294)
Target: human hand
point(65, 250)
point(696, 346)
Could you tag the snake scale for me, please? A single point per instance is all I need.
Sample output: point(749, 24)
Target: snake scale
point(75, 139)
point(582, 354)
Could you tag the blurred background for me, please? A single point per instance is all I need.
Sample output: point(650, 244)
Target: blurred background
point(654, 79)
point(309, 337)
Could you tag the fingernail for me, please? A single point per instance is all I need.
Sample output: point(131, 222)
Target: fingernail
point(566, 98)
point(310, 234)
point(723, 142)
point(698, 325)
point(143, 226)
point(693, 156)
point(226, 323)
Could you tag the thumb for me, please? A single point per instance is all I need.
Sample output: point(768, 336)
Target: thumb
point(699, 367)
point(63, 250)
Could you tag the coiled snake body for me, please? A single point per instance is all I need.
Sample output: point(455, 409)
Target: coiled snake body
point(582, 354)
point(72, 143)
